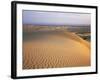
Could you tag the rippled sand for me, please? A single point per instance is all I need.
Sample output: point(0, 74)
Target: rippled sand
point(54, 49)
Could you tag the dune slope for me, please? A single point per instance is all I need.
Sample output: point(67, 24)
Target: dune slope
point(54, 49)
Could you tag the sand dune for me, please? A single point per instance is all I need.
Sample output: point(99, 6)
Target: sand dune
point(55, 49)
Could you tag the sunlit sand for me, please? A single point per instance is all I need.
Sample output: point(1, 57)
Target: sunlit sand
point(55, 49)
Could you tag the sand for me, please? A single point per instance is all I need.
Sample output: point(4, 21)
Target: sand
point(54, 49)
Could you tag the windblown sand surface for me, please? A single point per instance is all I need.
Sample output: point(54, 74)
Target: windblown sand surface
point(54, 49)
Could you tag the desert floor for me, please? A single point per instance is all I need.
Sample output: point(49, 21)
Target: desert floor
point(54, 49)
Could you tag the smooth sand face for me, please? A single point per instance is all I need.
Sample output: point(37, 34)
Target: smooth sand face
point(54, 49)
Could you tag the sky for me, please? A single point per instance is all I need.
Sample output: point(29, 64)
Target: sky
point(55, 18)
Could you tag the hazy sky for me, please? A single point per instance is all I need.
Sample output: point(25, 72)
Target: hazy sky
point(55, 18)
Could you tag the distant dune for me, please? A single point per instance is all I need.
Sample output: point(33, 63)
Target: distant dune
point(75, 29)
point(54, 49)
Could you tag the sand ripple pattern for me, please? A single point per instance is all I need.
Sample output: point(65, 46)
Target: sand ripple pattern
point(55, 50)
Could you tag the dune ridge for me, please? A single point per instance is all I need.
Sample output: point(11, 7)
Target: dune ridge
point(77, 38)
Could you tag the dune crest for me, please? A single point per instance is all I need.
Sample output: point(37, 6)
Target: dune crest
point(77, 38)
